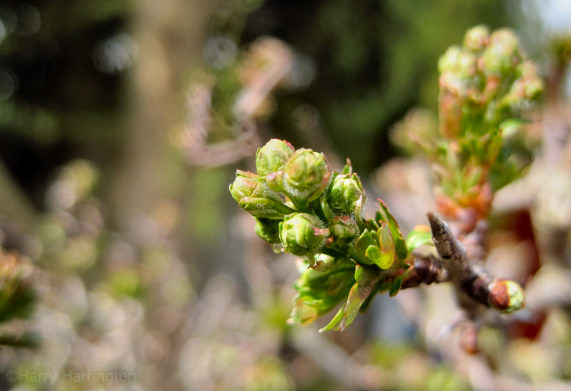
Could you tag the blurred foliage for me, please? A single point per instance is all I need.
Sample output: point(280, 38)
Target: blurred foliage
point(375, 60)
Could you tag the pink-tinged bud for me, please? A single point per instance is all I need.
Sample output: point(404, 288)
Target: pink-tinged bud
point(448, 61)
point(254, 196)
point(273, 156)
point(502, 55)
point(306, 175)
point(345, 195)
point(477, 38)
point(343, 229)
point(302, 234)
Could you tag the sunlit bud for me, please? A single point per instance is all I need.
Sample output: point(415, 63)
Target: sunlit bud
point(302, 234)
point(505, 295)
point(477, 38)
point(533, 88)
point(466, 66)
point(524, 90)
point(346, 195)
point(502, 54)
point(306, 175)
point(343, 229)
point(447, 62)
point(255, 197)
point(273, 156)
point(268, 230)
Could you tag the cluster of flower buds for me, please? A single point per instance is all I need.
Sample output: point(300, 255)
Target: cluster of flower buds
point(486, 80)
point(485, 85)
point(306, 209)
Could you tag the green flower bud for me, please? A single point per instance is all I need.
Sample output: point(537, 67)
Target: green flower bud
point(346, 195)
point(533, 88)
point(522, 91)
point(302, 234)
point(502, 55)
point(477, 38)
point(306, 175)
point(268, 230)
point(254, 196)
point(273, 156)
point(505, 295)
point(447, 62)
point(466, 67)
point(343, 229)
point(458, 64)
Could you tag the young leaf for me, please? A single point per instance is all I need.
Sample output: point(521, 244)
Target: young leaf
point(398, 238)
point(366, 281)
point(419, 236)
point(322, 288)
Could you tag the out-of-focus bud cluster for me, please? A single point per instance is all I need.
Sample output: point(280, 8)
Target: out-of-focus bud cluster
point(485, 85)
point(478, 145)
point(484, 82)
point(306, 209)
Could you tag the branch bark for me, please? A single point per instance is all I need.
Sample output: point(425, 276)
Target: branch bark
point(474, 286)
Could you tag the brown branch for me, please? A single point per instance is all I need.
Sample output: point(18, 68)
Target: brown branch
point(427, 269)
point(473, 284)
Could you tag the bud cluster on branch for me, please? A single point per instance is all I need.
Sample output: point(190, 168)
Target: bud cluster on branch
point(304, 208)
point(477, 148)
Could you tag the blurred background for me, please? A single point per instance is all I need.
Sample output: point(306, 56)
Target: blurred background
point(128, 266)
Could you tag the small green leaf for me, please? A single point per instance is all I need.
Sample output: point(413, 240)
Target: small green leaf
point(322, 288)
point(419, 236)
point(395, 286)
point(382, 260)
point(348, 169)
point(398, 238)
point(367, 279)
point(359, 250)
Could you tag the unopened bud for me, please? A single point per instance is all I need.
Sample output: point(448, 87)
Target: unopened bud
point(343, 229)
point(447, 62)
point(273, 156)
point(505, 295)
point(477, 38)
point(346, 195)
point(254, 196)
point(302, 234)
point(306, 175)
point(533, 88)
point(502, 54)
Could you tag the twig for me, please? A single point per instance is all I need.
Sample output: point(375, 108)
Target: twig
point(473, 284)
